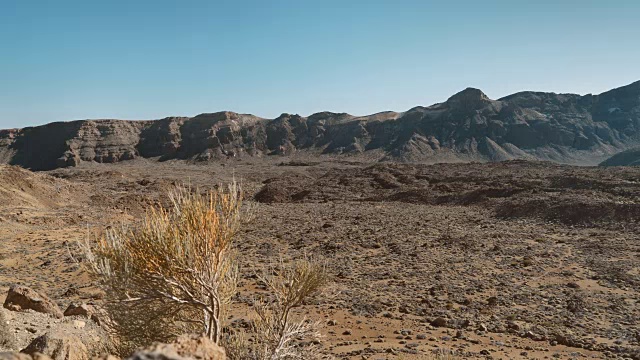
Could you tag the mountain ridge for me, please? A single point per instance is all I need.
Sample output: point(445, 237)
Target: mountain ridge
point(468, 126)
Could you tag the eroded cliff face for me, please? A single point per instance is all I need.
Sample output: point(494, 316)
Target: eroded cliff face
point(469, 126)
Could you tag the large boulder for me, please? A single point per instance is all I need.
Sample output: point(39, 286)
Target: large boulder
point(22, 298)
point(58, 347)
point(184, 348)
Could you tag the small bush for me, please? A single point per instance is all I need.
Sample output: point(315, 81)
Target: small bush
point(274, 335)
point(175, 271)
point(577, 303)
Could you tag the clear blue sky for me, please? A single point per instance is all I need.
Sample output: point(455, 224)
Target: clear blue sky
point(146, 59)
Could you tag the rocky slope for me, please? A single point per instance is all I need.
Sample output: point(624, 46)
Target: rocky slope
point(629, 157)
point(469, 126)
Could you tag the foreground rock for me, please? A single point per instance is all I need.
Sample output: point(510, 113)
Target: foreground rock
point(19, 356)
point(58, 347)
point(22, 298)
point(7, 339)
point(185, 347)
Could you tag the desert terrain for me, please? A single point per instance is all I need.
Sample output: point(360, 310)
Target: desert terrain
point(319, 180)
point(506, 260)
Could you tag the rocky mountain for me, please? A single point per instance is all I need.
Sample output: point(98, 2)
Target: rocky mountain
point(629, 157)
point(469, 126)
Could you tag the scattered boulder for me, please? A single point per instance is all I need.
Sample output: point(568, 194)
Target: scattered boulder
point(535, 337)
point(185, 347)
point(566, 339)
point(439, 322)
point(75, 309)
point(511, 325)
point(96, 314)
point(58, 347)
point(22, 298)
point(459, 323)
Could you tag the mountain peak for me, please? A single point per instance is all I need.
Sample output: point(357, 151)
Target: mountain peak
point(469, 98)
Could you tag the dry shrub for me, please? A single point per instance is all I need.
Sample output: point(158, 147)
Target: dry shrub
point(274, 334)
point(174, 272)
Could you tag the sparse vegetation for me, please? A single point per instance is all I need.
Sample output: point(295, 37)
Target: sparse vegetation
point(174, 272)
point(394, 270)
point(274, 333)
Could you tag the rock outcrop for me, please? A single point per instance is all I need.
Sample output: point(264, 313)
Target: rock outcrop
point(7, 338)
point(58, 347)
point(82, 309)
point(12, 355)
point(21, 298)
point(96, 314)
point(184, 348)
point(469, 126)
